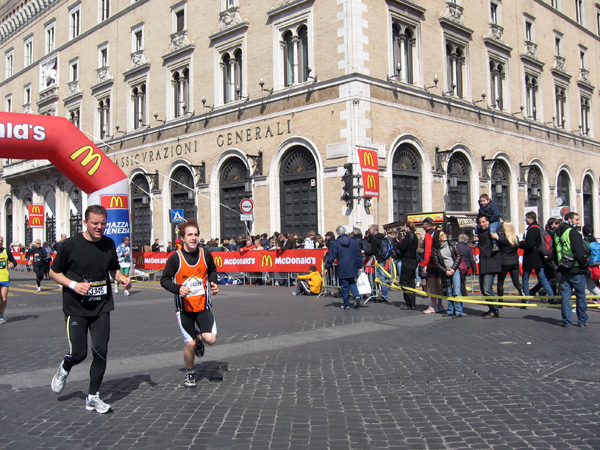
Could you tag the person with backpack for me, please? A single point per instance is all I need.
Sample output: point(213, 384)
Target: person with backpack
point(573, 265)
point(592, 251)
point(550, 266)
point(381, 249)
point(534, 256)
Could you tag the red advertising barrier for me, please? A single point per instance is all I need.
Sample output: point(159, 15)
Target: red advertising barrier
point(21, 259)
point(249, 261)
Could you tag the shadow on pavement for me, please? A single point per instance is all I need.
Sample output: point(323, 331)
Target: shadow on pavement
point(211, 370)
point(25, 317)
point(116, 389)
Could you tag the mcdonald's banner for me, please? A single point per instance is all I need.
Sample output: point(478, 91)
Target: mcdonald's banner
point(117, 216)
point(36, 216)
point(369, 166)
point(249, 261)
point(31, 136)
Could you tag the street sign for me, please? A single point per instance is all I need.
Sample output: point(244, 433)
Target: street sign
point(177, 216)
point(246, 206)
point(247, 217)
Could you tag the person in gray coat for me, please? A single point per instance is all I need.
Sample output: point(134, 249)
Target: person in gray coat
point(349, 263)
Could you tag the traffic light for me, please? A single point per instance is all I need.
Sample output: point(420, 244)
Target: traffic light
point(348, 188)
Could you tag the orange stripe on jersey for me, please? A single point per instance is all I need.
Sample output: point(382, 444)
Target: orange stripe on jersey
point(195, 277)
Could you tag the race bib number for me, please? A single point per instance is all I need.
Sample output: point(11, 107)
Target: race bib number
point(2, 263)
point(37, 258)
point(98, 291)
point(196, 286)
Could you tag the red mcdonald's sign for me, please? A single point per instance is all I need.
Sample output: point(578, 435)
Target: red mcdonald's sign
point(369, 167)
point(36, 216)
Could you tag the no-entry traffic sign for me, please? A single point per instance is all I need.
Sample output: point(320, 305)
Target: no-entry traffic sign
point(247, 206)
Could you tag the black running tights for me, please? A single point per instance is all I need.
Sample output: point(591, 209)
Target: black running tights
point(77, 328)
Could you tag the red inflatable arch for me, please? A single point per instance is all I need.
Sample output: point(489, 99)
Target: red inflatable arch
point(28, 136)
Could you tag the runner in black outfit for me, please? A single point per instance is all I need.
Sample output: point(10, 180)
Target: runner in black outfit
point(82, 266)
point(39, 255)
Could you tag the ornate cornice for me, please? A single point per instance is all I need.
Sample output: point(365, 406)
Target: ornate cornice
point(14, 22)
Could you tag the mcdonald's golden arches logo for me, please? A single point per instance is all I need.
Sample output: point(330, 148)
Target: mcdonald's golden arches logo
point(368, 159)
point(36, 209)
point(371, 182)
point(218, 261)
point(36, 221)
point(140, 261)
point(267, 261)
point(90, 157)
point(114, 201)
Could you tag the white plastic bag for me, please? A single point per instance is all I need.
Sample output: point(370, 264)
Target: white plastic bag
point(363, 284)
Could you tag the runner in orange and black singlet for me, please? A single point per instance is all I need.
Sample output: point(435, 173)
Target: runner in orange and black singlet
point(191, 275)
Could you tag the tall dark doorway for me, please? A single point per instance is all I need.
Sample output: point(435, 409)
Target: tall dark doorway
point(141, 216)
point(500, 194)
point(406, 169)
point(588, 201)
point(458, 184)
point(183, 196)
point(8, 214)
point(298, 191)
point(233, 177)
point(534, 192)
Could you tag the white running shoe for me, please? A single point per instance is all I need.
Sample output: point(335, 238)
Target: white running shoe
point(126, 292)
point(429, 310)
point(116, 289)
point(2, 319)
point(39, 289)
point(93, 402)
point(58, 381)
point(190, 379)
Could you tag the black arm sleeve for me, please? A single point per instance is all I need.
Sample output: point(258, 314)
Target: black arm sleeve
point(211, 268)
point(166, 281)
point(11, 258)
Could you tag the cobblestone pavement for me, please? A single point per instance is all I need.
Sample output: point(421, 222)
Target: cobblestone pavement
point(299, 373)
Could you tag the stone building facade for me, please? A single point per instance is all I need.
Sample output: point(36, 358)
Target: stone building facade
point(203, 103)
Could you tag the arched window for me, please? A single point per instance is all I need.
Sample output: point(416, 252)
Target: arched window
point(298, 190)
point(181, 86)
point(403, 39)
point(406, 170)
point(138, 100)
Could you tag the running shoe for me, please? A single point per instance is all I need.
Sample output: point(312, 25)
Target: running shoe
point(429, 310)
point(345, 307)
point(2, 320)
point(199, 350)
point(126, 292)
point(93, 402)
point(190, 379)
point(39, 289)
point(58, 381)
point(116, 289)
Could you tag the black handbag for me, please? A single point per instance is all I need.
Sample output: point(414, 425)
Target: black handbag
point(567, 262)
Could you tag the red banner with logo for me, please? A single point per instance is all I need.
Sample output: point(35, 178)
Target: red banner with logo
point(369, 166)
point(36, 216)
point(249, 261)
